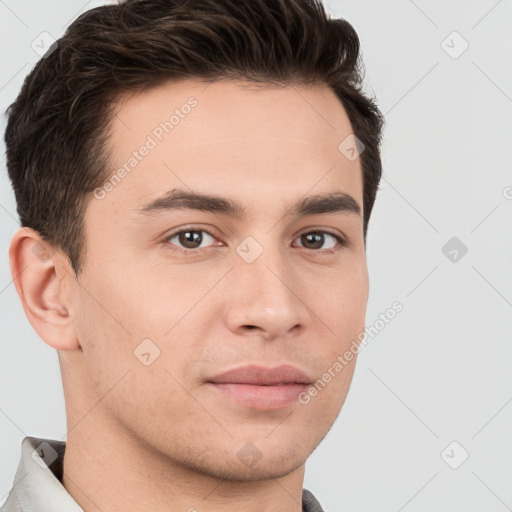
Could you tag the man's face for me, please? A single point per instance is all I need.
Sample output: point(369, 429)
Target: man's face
point(270, 287)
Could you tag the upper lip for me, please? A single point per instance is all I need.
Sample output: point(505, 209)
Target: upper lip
point(254, 374)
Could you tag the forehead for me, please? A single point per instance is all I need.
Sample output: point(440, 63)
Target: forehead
point(224, 137)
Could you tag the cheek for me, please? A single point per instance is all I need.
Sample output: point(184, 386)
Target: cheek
point(148, 301)
point(102, 321)
point(130, 325)
point(342, 312)
point(345, 300)
point(98, 336)
point(119, 300)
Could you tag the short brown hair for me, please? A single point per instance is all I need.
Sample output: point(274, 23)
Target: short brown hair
point(58, 125)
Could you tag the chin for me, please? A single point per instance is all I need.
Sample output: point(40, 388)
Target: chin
point(261, 470)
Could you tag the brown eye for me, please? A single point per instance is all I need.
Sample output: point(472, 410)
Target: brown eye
point(189, 239)
point(315, 240)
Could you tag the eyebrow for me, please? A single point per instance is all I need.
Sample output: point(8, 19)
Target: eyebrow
point(176, 199)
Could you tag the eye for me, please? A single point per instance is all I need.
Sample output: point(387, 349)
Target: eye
point(314, 239)
point(189, 239)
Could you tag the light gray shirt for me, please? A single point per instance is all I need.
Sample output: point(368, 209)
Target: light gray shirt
point(37, 485)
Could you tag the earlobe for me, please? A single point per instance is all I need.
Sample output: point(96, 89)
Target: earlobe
point(33, 269)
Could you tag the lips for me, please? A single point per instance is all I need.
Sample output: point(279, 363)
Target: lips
point(262, 376)
point(261, 388)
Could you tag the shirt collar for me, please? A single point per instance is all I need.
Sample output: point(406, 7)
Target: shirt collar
point(37, 483)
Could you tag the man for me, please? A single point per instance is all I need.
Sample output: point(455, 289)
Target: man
point(194, 180)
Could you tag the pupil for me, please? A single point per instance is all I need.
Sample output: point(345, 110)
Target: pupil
point(189, 238)
point(318, 237)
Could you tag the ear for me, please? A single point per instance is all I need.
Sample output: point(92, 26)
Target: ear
point(39, 274)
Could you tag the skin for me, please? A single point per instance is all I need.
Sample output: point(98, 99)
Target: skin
point(156, 437)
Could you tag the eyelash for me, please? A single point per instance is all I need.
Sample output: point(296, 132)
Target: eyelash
point(190, 252)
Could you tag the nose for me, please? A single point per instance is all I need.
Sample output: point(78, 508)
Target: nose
point(266, 298)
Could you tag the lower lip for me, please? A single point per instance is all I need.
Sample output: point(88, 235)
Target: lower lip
point(261, 397)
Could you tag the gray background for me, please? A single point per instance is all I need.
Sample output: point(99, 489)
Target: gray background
point(440, 371)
